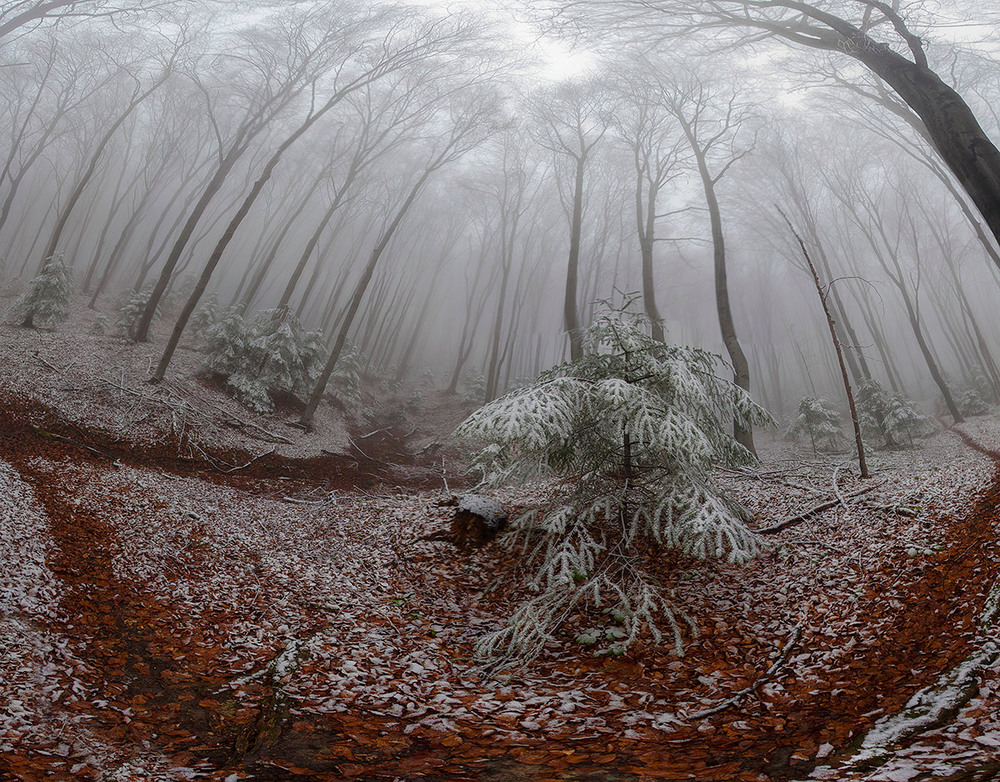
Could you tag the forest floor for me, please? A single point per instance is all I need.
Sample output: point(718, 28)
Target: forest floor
point(192, 591)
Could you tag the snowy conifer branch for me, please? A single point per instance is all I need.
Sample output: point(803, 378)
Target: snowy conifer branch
point(630, 434)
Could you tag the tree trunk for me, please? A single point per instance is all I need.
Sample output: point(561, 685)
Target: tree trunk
point(862, 463)
point(359, 293)
point(951, 125)
point(142, 329)
point(570, 312)
point(92, 167)
point(646, 221)
point(741, 367)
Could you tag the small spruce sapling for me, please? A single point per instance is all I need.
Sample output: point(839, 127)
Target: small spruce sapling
point(981, 384)
point(819, 419)
point(890, 418)
point(130, 312)
point(474, 387)
point(972, 403)
point(345, 382)
point(46, 302)
point(904, 421)
point(628, 435)
point(873, 405)
point(260, 358)
point(204, 317)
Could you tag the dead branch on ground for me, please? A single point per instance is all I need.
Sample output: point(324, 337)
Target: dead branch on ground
point(735, 699)
point(812, 512)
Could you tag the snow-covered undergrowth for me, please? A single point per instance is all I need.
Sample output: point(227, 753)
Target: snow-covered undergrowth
point(99, 382)
point(28, 588)
point(383, 622)
point(338, 599)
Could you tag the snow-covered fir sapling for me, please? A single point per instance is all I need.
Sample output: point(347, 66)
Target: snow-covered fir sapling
point(891, 418)
point(904, 421)
point(980, 383)
point(99, 325)
point(204, 317)
point(130, 312)
point(345, 382)
point(873, 405)
point(972, 403)
point(474, 387)
point(626, 438)
point(263, 357)
point(46, 302)
point(819, 419)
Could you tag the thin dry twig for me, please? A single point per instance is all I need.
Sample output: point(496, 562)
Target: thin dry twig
point(735, 699)
point(836, 488)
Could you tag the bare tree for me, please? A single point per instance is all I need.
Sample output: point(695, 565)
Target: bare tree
point(711, 124)
point(269, 72)
point(470, 120)
point(824, 292)
point(136, 99)
point(883, 35)
point(390, 55)
point(573, 119)
point(21, 15)
point(644, 123)
point(887, 245)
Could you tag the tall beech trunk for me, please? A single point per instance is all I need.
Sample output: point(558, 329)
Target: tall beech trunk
point(899, 280)
point(312, 284)
point(194, 217)
point(571, 314)
point(433, 294)
point(645, 215)
point(741, 367)
point(216, 256)
point(293, 279)
point(474, 309)
point(840, 312)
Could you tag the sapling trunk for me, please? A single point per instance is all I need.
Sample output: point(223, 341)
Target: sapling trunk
point(862, 464)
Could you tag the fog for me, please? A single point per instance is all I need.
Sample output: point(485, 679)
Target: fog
point(460, 188)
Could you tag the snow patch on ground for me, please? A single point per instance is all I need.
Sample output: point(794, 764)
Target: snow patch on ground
point(27, 587)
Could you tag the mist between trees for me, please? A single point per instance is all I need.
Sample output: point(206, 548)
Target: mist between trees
point(421, 185)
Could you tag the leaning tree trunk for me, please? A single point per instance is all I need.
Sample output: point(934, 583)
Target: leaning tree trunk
point(862, 463)
point(95, 160)
point(142, 329)
point(360, 289)
point(951, 125)
point(932, 364)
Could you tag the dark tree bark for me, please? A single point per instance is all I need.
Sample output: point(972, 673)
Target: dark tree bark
point(727, 325)
point(950, 123)
point(360, 289)
point(898, 278)
point(645, 215)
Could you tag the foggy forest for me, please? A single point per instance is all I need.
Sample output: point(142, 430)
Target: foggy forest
point(499, 390)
